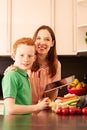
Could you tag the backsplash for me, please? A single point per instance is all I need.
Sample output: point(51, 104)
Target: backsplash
point(5, 61)
point(71, 64)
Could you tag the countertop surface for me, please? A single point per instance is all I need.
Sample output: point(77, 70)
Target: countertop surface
point(45, 120)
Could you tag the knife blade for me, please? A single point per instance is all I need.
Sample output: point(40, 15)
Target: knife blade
point(51, 87)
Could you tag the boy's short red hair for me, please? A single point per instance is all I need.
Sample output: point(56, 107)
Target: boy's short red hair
point(24, 41)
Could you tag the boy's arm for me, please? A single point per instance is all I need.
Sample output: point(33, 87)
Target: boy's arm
point(13, 108)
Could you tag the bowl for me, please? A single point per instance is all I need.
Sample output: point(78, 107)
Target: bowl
point(78, 92)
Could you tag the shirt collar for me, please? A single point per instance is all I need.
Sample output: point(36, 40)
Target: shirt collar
point(21, 72)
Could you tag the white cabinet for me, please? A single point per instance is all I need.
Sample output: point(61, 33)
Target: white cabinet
point(64, 26)
point(21, 18)
point(81, 20)
point(28, 15)
point(68, 19)
point(4, 27)
point(70, 26)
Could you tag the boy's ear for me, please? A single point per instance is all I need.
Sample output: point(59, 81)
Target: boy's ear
point(13, 56)
point(35, 57)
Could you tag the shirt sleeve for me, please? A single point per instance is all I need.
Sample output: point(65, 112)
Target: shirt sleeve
point(9, 85)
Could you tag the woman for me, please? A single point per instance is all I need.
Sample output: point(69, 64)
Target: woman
point(46, 68)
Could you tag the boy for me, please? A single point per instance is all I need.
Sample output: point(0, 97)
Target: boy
point(16, 87)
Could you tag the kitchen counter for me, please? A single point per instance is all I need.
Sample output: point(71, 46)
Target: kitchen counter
point(45, 120)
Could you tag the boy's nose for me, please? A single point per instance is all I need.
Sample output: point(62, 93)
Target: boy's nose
point(26, 58)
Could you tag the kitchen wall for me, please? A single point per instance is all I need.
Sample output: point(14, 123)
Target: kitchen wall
point(74, 64)
point(71, 64)
point(5, 61)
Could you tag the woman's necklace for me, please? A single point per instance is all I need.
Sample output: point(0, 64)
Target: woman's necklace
point(43, 65)
point(42, 62)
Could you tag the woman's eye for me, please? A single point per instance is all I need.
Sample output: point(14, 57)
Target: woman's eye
point(47, 39)
point(38, 38)
point(30, 56)
point(44, 39)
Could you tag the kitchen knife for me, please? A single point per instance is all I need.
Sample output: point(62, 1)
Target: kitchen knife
point(52, 87)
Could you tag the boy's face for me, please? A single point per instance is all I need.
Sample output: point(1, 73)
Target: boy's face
point(24, 57)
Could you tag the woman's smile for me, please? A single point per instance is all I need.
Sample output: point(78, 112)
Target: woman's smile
point(42, 46)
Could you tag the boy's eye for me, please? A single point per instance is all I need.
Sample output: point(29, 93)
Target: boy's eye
point(21, 55)
point(30, 56)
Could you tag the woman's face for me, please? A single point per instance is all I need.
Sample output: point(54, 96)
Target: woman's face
point(43, 41)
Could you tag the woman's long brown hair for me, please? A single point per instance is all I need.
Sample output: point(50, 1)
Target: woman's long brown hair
point(52, 55)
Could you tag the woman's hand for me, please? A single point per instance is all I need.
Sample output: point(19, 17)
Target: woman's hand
point(9, 68)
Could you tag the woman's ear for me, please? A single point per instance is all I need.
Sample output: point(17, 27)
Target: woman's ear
point(52, 43)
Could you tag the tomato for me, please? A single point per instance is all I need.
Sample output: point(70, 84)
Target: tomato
point(59, 111)
point(84, 110)
point(65, 111)
point(72, 111)
point(78, 111)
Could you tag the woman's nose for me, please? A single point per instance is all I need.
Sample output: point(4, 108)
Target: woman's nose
point(42, 41)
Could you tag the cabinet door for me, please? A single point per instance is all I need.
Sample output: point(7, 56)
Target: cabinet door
point(4, 28)
point(28, 15)
point(64, 26)
point(81, 26)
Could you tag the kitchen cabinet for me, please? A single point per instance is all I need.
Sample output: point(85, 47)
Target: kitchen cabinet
point(28, 15)
point(68, 19)
point(64, 26)
point(70, 26)
point(21, 18)
point(4, 27)
point(81, 24)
